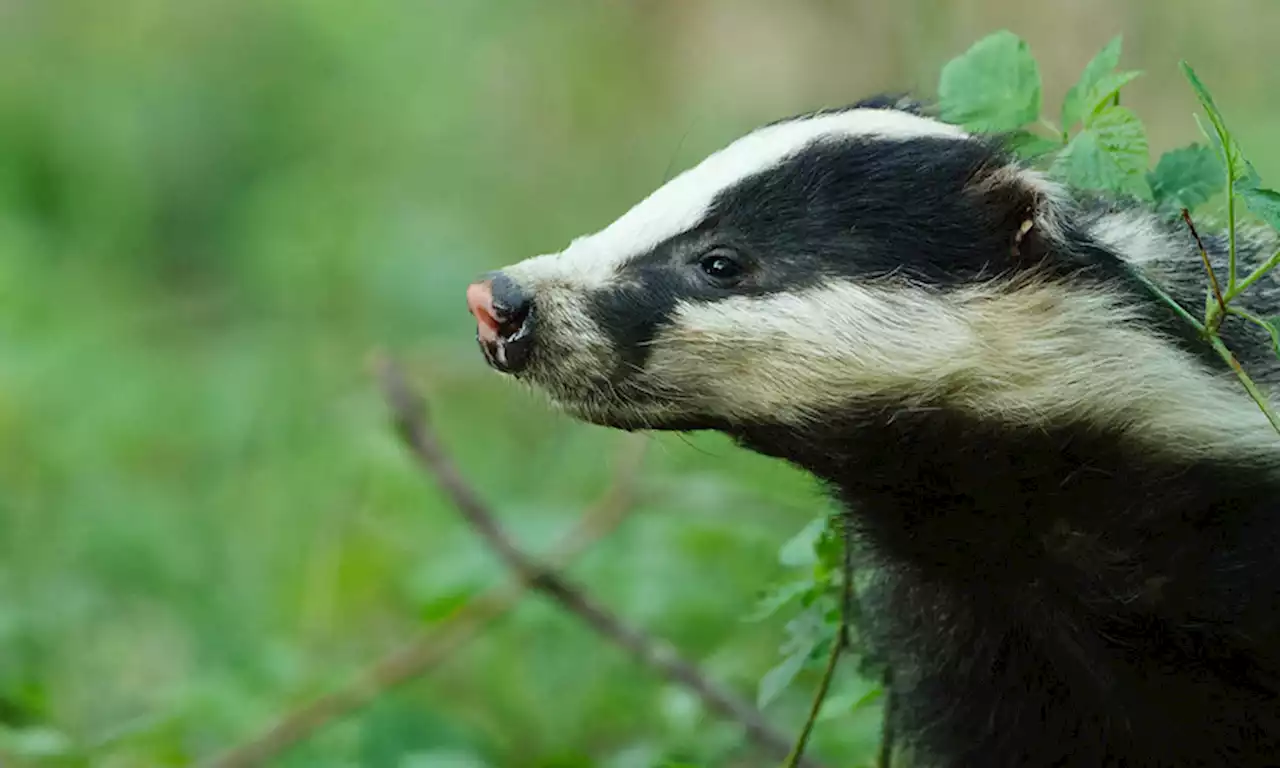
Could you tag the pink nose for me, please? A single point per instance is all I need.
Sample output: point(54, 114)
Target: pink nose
point(504, 321)
point(480, 304)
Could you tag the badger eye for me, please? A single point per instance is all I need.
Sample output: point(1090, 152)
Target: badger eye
point(721, 266)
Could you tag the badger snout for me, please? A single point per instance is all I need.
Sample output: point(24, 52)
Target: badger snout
point(504, 321)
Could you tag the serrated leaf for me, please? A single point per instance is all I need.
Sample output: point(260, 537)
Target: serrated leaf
point(1264, 203)
point(805, 634)
point(1111, 155)
point(1205, 98)
point(807, 631)
point(776, 680)
point(1104, 91)
point(1102, 63)
point(1220, 137)
point(1186, 177)
point(776, 597)
point(994, 86)
point(1030, 146)
point(864, 694)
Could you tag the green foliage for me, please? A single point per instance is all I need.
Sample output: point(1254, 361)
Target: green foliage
point(1187, 177)
point(808, 594)
point(1110, 154)
point(1263, 202)
point(1098, 86)
point(994, 86)
point(1101, 146)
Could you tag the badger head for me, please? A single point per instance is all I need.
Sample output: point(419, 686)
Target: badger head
point(851, 262)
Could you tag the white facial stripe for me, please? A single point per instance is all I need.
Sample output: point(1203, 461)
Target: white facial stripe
point(1032, 356)
point(1134, 236)
point(681, 203)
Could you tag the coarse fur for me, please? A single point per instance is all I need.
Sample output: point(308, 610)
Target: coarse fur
point(1072, 505)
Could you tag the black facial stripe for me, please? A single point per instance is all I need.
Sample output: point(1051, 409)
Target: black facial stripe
point(859, 208)
point(862, 207)
point(631, 313)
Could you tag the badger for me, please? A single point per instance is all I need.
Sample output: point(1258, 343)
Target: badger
point(1070, 506)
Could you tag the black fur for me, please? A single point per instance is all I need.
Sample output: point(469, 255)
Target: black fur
point(1056, 596)
point(1060, 597)
point(866, 209)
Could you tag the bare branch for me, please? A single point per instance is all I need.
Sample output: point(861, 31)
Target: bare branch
point(1208, 267)
point(409, 412)
point(426, 652)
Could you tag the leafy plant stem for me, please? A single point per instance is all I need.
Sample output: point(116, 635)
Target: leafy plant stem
point(1231, 227)
point(838, 645)
point(1253, 277)
point(885, 759)
point(1250, 387)
point(1173, 304)
point(1268, 327)
point(1214, 318)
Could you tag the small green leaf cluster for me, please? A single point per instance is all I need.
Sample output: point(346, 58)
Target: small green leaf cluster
point(810, 595)
point(1101, 146)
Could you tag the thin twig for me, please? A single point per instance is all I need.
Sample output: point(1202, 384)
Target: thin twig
point(409, 413)
point(428, 651)
point(1213, 278)
point(887, 737)
point(1254, 276)
point(841, 642)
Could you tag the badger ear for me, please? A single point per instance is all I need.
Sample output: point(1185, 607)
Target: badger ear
point(1021, 204)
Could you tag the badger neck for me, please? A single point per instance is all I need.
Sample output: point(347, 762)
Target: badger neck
point(948, 490)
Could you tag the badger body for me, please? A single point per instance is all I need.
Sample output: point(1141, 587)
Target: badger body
point(1072, 506)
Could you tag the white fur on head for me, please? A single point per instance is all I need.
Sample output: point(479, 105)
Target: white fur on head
point(1036, 355)
point(680, 204)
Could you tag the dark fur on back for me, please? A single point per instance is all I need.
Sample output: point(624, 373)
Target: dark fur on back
point(1048, 598)
point(1058, 597)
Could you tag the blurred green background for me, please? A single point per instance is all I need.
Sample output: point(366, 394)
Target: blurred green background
point(211, 212)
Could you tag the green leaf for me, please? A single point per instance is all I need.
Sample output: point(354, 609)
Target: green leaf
point(1265, 203)
point(1186, 177)
point(1228, 150)
point(776, 597)
point(1098, 84)
point(776, 680)
point(848, 702)
point(1105, 91)
point(1102, 63)
point(994, 86)
point(800, 550)
point(806, 634)
point(1111, 155)
point(1030, 146)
